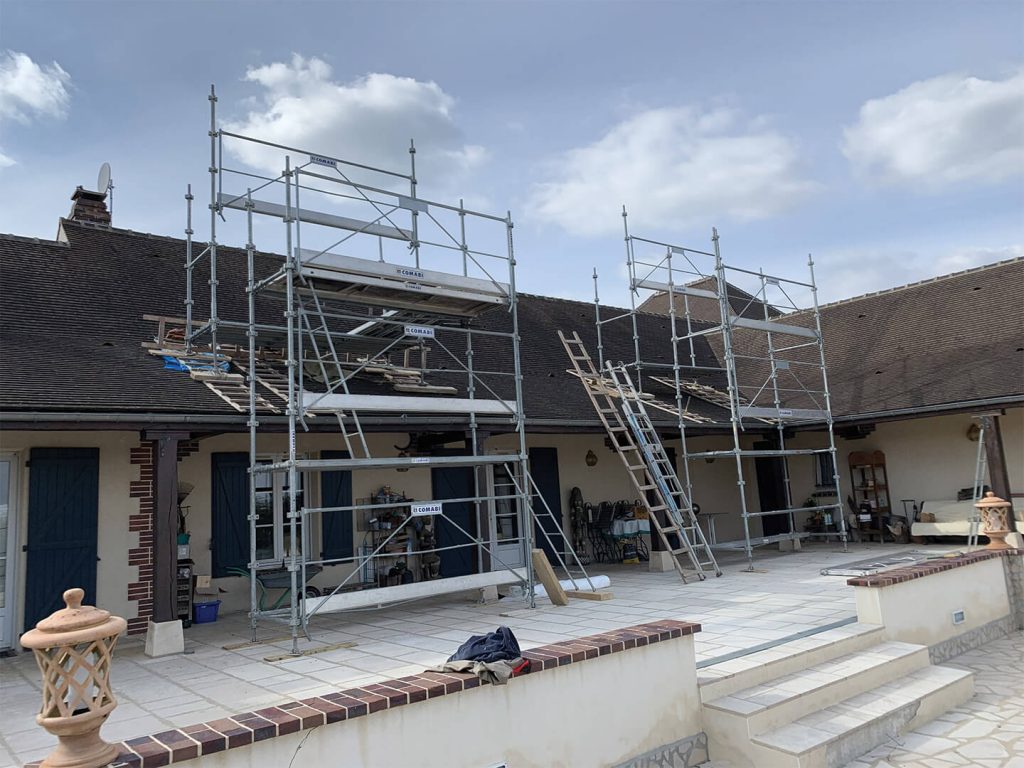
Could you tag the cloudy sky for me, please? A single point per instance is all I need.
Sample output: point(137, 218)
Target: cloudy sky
point(886, 138)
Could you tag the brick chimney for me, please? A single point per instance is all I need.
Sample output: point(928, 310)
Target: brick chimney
point(89, 206)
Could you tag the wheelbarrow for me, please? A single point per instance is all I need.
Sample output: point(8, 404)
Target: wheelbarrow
point(278, 578)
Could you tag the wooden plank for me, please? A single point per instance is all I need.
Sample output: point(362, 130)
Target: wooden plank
point(542, 568)
point(583, 595)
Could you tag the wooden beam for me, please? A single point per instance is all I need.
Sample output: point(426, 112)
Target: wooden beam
point(583, 595)
point(995, 456)
point(543, 570)
point(165, 523)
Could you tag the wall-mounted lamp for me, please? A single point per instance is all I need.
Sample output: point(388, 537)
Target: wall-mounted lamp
point(402, 454)
point(709, 459)
point(591, 459)
point(973, 433)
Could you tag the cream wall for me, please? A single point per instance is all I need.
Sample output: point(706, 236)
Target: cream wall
point(926, 459)
point(551, 718)
point(921, 610)
point(113, 573)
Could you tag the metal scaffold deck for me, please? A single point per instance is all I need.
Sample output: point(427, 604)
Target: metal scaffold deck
point(371, 278)
point(764, 331)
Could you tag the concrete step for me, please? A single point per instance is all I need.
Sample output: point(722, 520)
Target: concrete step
point(752, 711)
point(727, 677)
point(838, 734)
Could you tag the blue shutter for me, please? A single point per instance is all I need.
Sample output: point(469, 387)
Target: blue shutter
point(230, 511)
point(335, 527)
point(63, 524)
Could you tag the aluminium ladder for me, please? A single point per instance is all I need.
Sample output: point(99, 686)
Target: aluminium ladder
point(647, 464)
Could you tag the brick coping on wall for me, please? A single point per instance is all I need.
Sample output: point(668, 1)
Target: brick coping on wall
point(927, 568)
point(193, 741)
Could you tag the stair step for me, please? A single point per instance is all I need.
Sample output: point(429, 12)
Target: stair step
point(787, 698)
point(836, 735)
point(729, 676)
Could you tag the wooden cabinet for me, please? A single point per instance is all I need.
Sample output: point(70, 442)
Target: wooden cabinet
point(870, 485)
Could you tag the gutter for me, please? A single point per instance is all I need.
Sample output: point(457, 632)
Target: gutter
point(961, 405)
point(241, 420)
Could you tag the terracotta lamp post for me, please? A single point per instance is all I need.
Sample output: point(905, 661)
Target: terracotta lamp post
point(73, 648)
point(995, 520)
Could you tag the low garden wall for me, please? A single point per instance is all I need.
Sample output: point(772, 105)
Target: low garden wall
point(949, 604)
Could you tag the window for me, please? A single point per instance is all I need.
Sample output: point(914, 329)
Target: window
point(230, 514)
point(506, 511)
point(273, 528)
point(824, 476)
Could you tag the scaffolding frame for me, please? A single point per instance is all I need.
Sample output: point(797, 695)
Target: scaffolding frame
point(345, 313)
point(770, 384)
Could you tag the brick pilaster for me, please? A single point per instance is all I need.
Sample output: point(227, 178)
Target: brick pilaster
point(143, 489)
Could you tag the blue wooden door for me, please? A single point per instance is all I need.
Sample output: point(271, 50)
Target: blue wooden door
point(459, 519)
point(544, 470)
point(63, 509)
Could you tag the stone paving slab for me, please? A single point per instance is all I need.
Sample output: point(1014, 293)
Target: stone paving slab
point(987, 731)
point(787, 594)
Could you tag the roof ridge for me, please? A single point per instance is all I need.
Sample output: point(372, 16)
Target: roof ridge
point(26, 239)
point(917, 283)
point(133, 232)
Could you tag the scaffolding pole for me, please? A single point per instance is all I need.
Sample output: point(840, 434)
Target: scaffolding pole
point(755, 398)
point(323, 318)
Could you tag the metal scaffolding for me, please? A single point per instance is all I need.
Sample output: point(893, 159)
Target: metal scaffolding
point(324, 331)
point(765, 331)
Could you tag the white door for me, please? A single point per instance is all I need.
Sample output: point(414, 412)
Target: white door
point(506, 521)
point(8, 547)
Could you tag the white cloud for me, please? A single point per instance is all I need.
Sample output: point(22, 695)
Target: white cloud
point(369, 120)
point(673, 167)
point(6, 161)
point(29, 91)
point(844, 273)
point(939, 132)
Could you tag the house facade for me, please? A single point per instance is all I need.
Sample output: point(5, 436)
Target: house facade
point(89, 416)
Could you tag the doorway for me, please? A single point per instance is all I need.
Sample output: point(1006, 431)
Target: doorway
point(544, 470)
point(458, 520)
point(771, 489)
point(63, 524)
point(8, 546)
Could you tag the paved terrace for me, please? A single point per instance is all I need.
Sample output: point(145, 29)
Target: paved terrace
point(784, 595)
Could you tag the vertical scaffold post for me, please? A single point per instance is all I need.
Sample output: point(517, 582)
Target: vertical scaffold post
point(631, 271)
point(597, 324)
point(214, 210)
point(677, 376)
point(188, 270)
point(415, 244)
point(253, 424)
point(293, 510)
point(525, 496)
point(734, 394)
point(843, 536)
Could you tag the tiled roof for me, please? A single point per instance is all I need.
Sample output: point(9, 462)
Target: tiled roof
point(72, 325)
point(741, 302)
point(945, 341)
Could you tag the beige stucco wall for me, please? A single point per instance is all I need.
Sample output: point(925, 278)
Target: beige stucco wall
point(921, 610)
point(926, 459)
point(113, 574)
point(554, 717)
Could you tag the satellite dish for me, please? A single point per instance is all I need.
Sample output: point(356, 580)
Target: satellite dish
point(103, 180)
